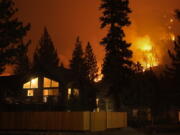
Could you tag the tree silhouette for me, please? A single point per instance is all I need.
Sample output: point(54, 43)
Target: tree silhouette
point(177, 14)
point(77, 63)
point(172, 72)
point(22, 63)
point(12, 32)
point(91, 63)
point(78, 67)
point(83, 68)
point(45, 57)
point(116, 67)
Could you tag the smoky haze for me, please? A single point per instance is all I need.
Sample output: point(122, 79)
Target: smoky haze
point(67, 19)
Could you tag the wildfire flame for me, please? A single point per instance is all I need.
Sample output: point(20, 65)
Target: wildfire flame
point(99, 74)
point(98, 78)
point(145, 52)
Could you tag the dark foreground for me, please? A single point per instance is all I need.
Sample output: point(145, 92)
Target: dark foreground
point(125, 131)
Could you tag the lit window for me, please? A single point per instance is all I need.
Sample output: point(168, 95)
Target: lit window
point(34, 83)
point(55, 84)
point(46, 92)
point(69, 91)
point(50, 83)
point(76, 92)
point(31, 84)
point(30, 93)
point(50, 92)
point(27, 85)
point(47, 82)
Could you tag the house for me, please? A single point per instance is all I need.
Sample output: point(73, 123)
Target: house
point(57, 87)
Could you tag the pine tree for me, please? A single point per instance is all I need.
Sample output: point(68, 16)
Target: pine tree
point(91, 63)
point(172, 73)
point(116, 67)
point(45, 57)
point(92, 73)
point(22, 63)
point(77, 63)
point(12, 32)
point(81, 72)
point(174, 70)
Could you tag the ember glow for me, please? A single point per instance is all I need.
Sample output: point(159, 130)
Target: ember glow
point(99, 77)
point(172, 37)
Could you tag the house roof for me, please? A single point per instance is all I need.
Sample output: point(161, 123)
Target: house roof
point(59, 74)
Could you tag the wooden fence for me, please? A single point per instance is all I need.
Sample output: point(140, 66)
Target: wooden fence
point(62, 121)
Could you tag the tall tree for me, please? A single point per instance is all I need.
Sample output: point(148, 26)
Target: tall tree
point(116, 67)
point(80, 65)
point(22, 63)
point(12, 32)
point(77, 63)
point(45, 57)
point(172, 72)
point(91, 63)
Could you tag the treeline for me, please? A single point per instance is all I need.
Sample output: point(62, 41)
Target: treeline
point(124, 81)
point(128, 85)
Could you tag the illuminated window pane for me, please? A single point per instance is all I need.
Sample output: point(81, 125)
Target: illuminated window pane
point(34, 83)
point(76, 92)
point(30, 93)
point(45, 92)
point(69, 91)
point(51, 92)
point(55, 84)
point(47, 82)
point(27, 85)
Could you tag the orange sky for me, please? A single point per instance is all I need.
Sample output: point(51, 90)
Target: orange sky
point(67, 19)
